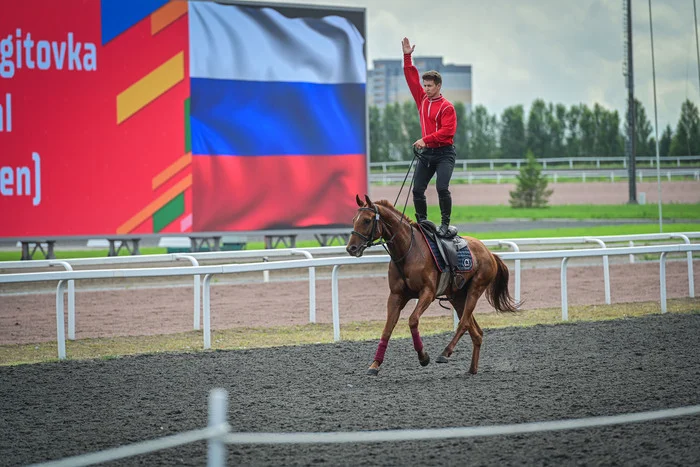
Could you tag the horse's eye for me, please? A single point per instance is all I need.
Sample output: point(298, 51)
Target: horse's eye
point(367, 221)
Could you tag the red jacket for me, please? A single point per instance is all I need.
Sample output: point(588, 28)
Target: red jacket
point(438, 120)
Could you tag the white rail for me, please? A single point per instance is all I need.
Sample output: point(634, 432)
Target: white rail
point(557, 161)
point(218, 434)
point(584, 175)
point(209, 271)
point(309, 252)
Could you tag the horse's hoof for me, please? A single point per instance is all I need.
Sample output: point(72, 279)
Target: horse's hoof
point(373, 371)
point(441, 359)
point(426, 361)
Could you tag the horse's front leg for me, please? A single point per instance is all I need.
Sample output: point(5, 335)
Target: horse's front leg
point(425, 298)
point(395, 304)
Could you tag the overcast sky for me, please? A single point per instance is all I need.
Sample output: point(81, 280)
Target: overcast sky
point(567, 51)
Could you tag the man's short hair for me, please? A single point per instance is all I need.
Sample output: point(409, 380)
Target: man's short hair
point(433, 76)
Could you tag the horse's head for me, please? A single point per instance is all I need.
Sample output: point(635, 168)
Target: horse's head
point(365, 227)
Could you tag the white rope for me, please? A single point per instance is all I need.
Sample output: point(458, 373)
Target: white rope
point(443, 433)
point(223, 433)
point(143, 447)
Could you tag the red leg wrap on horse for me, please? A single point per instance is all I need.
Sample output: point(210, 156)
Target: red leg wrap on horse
point(417, 342)
point(379, 356)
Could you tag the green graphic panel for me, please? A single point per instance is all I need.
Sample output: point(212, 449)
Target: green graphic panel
point(168, 213)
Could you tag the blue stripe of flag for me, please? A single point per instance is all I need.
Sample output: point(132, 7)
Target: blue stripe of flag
point(252, 118)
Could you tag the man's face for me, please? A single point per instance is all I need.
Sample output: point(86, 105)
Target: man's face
point(431, 89)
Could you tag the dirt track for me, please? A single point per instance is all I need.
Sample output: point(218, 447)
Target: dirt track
point(563, 193)
point(55, 410)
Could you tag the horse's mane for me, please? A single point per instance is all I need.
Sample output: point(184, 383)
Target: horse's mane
point(391, 207)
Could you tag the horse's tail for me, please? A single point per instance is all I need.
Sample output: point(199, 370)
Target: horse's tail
point(497, 294)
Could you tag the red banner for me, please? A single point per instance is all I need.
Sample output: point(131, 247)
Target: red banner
point(96, 134)
point(84, 133)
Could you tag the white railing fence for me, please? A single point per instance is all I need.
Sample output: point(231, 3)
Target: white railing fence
point(509, 176)
point(208, 271)
point(218, 434)
point(264, 255)
point(569, 162)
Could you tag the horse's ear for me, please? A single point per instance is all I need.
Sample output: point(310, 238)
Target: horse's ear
point(369, 201)
point(359, 201)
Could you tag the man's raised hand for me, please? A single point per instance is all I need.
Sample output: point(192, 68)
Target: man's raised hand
point(407, 47)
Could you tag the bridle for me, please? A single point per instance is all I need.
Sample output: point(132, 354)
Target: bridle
point(370, 242)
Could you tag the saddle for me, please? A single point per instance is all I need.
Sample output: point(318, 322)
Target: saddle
point(448, 247)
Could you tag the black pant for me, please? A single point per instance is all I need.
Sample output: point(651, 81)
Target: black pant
point(440, 161)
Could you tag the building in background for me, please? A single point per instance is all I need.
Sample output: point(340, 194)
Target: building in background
point(386, 83)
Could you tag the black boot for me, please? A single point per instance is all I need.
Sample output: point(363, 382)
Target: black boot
point(446, 212)
point(421, 205)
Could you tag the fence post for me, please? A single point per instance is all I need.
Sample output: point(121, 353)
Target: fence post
point(60, 320)
point(197, 289)
point(516, 249)
point(606, 268)
point(564, 301)
point(631, 254)
point(207, 311)
point(218, 411)
point(334, 299)
point(662, 280)
point(312, 286)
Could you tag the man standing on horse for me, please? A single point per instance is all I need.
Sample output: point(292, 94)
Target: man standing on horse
point(438, 122)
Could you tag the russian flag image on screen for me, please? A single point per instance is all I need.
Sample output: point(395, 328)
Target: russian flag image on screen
point(277, 119)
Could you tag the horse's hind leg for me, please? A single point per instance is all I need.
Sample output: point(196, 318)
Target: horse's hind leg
point(477, 336)
point(424, 300)
point(466, 323)
point(395, 304)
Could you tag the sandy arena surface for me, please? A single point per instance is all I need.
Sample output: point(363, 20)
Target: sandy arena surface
point(542, 373)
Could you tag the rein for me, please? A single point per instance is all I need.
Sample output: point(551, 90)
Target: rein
point(370, 242)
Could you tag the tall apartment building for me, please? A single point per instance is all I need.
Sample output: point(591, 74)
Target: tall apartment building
point(386, 83)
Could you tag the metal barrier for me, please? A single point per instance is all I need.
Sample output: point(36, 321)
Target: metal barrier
point(209, 271)
point(514, 244)
point(218, 434)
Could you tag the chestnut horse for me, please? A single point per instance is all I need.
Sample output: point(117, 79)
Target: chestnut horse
point(413, 274)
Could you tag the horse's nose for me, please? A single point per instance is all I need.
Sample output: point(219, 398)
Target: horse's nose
point(351, 249)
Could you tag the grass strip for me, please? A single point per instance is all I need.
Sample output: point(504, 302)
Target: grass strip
point(260, 337)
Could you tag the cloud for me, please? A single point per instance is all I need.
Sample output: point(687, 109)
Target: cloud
point(563, 51)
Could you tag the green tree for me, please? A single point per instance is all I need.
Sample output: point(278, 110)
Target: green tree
point(686, 140)
point(378, 150)
point(538, 137)
point(513, 144)
point(556, 124)
point(461, 133)
point(587, 126)
point(665, 142)
point(573, 131)
point(482, 134)
point(609, 139)
point(531, 187)
point(642, 131)
point(411, 129)
point(393, 130)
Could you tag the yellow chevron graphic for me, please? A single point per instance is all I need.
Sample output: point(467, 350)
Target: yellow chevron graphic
point(148, 88)
point(167, 14)
point(155, 205)
point(172, 169)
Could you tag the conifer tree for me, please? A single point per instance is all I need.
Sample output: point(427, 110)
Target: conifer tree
point(531, 189)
